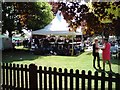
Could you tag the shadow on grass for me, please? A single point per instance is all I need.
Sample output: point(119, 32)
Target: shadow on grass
point(18, 55)
point(107, 72)
point(115, 61)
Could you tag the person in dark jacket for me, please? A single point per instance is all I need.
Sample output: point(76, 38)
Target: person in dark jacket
point(96, 54)
point(36, 41)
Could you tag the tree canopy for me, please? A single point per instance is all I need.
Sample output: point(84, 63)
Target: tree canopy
point(109, 14)
point(33, 15)
point(100, 17)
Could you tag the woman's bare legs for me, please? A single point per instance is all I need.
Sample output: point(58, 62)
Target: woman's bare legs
point(109, 65)
point(104, 61)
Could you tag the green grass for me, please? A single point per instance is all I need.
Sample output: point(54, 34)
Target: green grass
point(81, 62)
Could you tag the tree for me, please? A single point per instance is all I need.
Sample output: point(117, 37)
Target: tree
point(37, 17)
point(7, 17)
point(77, 14)
point(108, 13)
point(73, 12)
point(33, 15)
point(116, 24)
point(96, 14)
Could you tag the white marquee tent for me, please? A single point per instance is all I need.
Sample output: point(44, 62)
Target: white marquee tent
point(58, 26)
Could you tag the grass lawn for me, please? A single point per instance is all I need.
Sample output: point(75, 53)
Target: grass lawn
point(81, 62)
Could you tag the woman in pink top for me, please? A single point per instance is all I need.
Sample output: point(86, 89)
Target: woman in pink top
point(106, 53)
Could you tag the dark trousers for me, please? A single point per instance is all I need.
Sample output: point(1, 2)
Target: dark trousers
point(96, 55)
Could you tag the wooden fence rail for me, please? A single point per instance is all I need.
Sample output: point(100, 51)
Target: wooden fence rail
point(22, 77)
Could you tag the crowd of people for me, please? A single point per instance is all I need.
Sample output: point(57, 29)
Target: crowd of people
point(55, 45)
point(64, 45)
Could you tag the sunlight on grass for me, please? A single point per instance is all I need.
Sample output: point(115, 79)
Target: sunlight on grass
point(84, 61)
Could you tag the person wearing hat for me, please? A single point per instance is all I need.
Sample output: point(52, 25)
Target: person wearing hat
point(106, 53)
point(96, 54)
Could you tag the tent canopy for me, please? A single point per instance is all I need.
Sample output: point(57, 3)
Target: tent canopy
point(58, 26)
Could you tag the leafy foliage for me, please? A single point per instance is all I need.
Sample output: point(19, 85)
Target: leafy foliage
point(7, 17)
point(73, 13)
point(116, 24)
point(99, 17)
point(33, 15)
point(108, 13)
point(39, 16)
point(77, 14)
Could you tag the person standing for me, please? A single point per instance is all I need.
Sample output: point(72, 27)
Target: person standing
point(96, 54)
point(106, 53)
point(36, 41)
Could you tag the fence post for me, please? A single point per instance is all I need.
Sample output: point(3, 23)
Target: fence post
point(14, 75)
point(10, 75)
point(117, 81)
point(110, 82)
point(40, 77)
point(22, 77)
point(26, 77)
point(45, 78)
point(66, 81)
point(77, 79)
point(55, 78)
point(50, 78)
point(33, 77)
point(7, 80)
point(89, 80)
point(60, 79)
point(0, 76)
point(103, 81)
point(96, 81)
point(71, 79)
point(3, 67)
point(18, 74)
point(83, 79)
